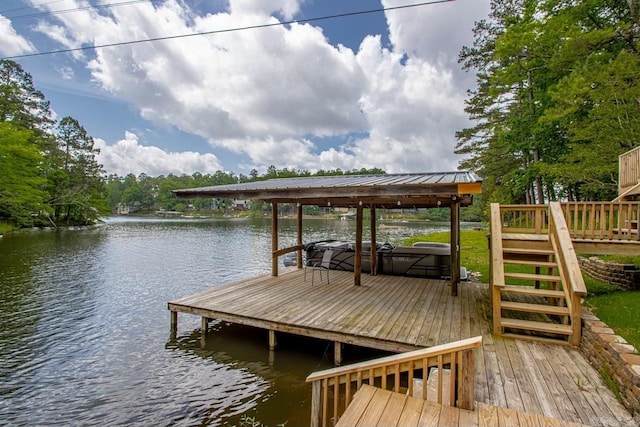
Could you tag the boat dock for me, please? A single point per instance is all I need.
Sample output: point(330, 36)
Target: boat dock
point(398, 314)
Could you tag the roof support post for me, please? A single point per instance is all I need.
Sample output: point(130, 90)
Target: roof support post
point(374, 260)
point(274, 238)
point(299, 258)
point(357, 265)
point(455, 244)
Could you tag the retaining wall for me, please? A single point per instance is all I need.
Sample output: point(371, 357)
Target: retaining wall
point(625, 276)
point(611, 354)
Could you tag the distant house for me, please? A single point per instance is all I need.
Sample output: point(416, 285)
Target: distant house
point(240, 205)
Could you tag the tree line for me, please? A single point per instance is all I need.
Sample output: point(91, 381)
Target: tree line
point(143, 193)
point(49, 174)
point(557, 98)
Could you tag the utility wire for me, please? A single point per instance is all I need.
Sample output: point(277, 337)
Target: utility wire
point(75, 9)
point(230, 30)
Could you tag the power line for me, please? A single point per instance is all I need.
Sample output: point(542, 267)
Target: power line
point(75, 9)
point(230, 30)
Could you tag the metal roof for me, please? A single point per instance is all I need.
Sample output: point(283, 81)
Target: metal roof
point(415, 189)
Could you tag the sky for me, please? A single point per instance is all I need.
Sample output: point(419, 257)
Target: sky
point(377, 90)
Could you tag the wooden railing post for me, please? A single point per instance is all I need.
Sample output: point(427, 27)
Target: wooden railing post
point(316, 407)
point(466, 390)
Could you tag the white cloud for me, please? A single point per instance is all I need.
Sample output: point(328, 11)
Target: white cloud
point(128, 156)
point(67, 73)
point(288, 8)
point(266, 93)
point(11, 43)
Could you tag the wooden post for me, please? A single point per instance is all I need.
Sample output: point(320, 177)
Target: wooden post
point(455, 244)
point(299, 259)
point(374, 255)
point(203, 332)
point(316, 407)
point(174, 324)
point(466, 391)
point(274, 238)
point(272, 340)
point(337, 353)
point(357, 265)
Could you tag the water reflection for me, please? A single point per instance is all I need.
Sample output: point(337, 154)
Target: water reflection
point(85, 327)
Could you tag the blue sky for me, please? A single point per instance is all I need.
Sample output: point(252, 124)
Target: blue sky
point(377, 90)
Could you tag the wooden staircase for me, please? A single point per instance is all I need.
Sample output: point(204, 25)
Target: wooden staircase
point(533, 278)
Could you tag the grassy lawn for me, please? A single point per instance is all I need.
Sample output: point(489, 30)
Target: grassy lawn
point(618, 309)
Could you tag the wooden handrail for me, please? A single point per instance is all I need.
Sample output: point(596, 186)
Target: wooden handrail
point(568, 268)
point(496, 266)
point(339, 384)
point(562, 238)
point(602, 220)
point(283, 251)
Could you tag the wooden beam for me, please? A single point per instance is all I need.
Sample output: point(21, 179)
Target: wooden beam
point(299, 258)
point(273, 342)
point(337, 353)
point(374, 260)
point(357, 265)
point(274, 239)
point(455, 245)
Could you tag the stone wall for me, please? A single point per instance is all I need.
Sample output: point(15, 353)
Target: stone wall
point(610, 353)
point(625, 276)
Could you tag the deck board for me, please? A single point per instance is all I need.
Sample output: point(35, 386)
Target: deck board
point(373, 406)
point(402, 313)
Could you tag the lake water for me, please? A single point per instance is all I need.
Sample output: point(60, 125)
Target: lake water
point(85, 337)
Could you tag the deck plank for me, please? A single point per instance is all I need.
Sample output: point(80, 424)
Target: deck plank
point(375, 409)
point(359, 404)
point(393, 411)
point(542, 393)
point(411, 414)
point(430, 416)
point(526, 387)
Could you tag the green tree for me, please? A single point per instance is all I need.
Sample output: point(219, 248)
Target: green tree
point(556, 101)
point(78, 190)
point(21, 183)
point(20, 102)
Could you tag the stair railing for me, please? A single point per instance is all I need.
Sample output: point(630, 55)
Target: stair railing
point(338, 385)
point(496, 266)
point(629, 169)
point(524, 219)
point(568, 268)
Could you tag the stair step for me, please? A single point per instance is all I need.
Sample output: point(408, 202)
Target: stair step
point(522, 251)
point(535, 308)
point(528, 290)
point(530, 325)
point(544, 340)
point(536, 277)
point(531, 263)
point(526, 237)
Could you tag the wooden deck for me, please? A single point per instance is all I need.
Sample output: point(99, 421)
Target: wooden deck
point(373, 406)
point(400, 314)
